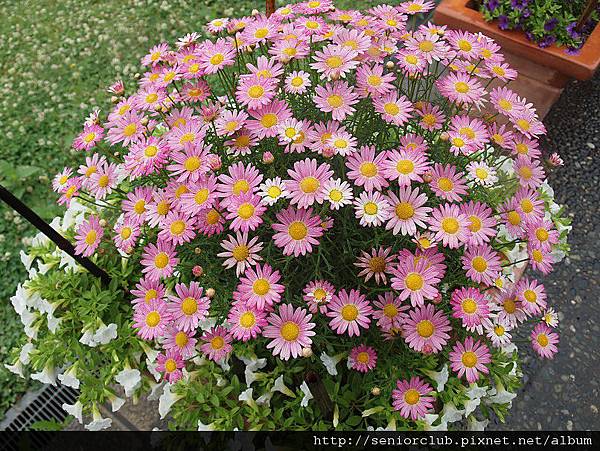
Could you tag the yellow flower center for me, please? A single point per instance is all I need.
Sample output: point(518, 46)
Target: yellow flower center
point(309, 184)
point(151, 98)
point(368, 169)
point(163, 207)
point(217, 59)
point(526, 206)
point(469, 359)
point(187, 138)
point(498, 70)
point(391, 108)
point(426, 46)
point(412, 59)
point(89, 171)
point(414, 281)
point(246, 210)
point(152, 319)
point(530, 296)
point(311, 24)
point(150, 294)
point(289, 331)
point(274, 192)
point(90, 238)
point(103, 181)
point(212, 217)
point(371, 208)
point(189, 306)
point(526, 172)
point(261, 33)
point(256, 91)
point(240, 186)
point(319, 294)
point(390, 310)
point(298, 230)
point(445, 184)
point(181, 339)
point(140, 206)
point(362, 357)
point(499, 330)
point(161, 260)
point(374, 80)
point(335, 101)
point(177, 227)
point(514, 218)
point(541, 234)
point(475, 224)
point(125, 232)
point(405, 167)
point(509, 306)
point(297, 82)
point(461, 87)
point(192, 164)
point(469, 306)
point(217, 343)
point(349, 312)
point(261, 287)
point(247, 320)
point(201, 196)
point(340, 143)
point(150, 151)
point(465, 45)
point(130, 130)
point(336, 195)
point(89, 137)
point(450, 225)
point(537, 256)
point(170, 365)
point(240, 252)
point(425, 328)
point(269, 120)
point(479, 264)
point(429, 119)
point(377, 264)
point(524, 124)
point(522, 149)
point(411, 396)
point(334, 62)
point(542, 340)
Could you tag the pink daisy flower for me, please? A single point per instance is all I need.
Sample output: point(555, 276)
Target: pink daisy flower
point(259, 288)
point(335, 61)
point(159, 260)
point(372, 209)
point(90, 136)
point(210, 221)
point(366, 168)
point(147, 290)
point(389, 311)
point(268, 118)
point(451, 227)
point(134, 206)
point(297, 231)
point(544, 341)
point(471, 307)
point(447, 183)
point(230, 121)
point(508, 307)
point(431, 117)
point(307, 179)
point(214, 56)
point(156, 54)
point(188, 134)
point(336, 98)
point(245, 211)
point(170, 363)
point(189, 307)
point(246, 322)
point(431, 47)
point(59, 183)
point(527, 122)
point(529, 171)
point(461, 88)
point(71, 190)
point(483, 224)
point(177, 228)
point(217, 343)
point(318, 294)
point(376, 264)
point(371, 80)
point(189, 164)
point(239, 180)
point(127, 129)
point(297, 82)
point(426, 329)
point(530, 205)
point(416, 279)
point(127, 232)
point(180, 341)
point(469, 359)
point(200, 196)
point(254, 91)
point(532, 296)
point(88, 236)
point(540, 259)
point(393, 109)
point(151, 319)
point(290, 331)
point(349, 312)
point(240, 252)
point(104, 180)
point(405, 166)
point(482, 264)
point(409, 211)
point(362, 358)
point(541, 233)
point(146, 156)
point(412, 398)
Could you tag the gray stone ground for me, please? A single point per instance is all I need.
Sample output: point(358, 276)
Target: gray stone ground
point(563, 394)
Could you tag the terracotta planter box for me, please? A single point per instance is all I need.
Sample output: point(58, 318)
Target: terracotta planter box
point(543, 73)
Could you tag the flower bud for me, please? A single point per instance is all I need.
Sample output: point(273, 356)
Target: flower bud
point(210, 293)
point(307, 352)
point(376, 391)
point(197, 270)
point(114, 99)
point(255, 12)
point(427, 177)
point(390, 64)
point(102, 222)
point(215, 163)
point(144, 121)
point(444, 136)
point(328, 152)
point(268, 158)
point(197, 250)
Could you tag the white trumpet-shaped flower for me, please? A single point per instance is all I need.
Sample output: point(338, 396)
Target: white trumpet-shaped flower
point(450, 414)
point(24, 353)
point(307, 394)
point(17, 368)
point(246, 396)
point(474, 425)
point(331, 362)
point(205, 427)
point(105, 334)
point(74, 409)
point(166, 401)
point(47, 375)
point(69, 378)
point(130, 379)
point(439, 377)
point(98, 423)
point(279, 386)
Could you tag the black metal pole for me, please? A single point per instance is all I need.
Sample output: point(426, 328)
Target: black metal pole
point(56, 237)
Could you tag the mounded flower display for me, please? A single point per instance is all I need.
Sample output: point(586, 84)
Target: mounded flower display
point(320, 220)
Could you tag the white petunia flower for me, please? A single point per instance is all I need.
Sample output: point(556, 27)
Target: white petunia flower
point(17, 368)
point(88, 338)
point(450, 414)
point(69, 378)
point(246, 396)
point(307, 394)
point(74, 409)
point(105, 334)
point(331, 362)
point(115, 402)
point(439, 377)
point(282, 388)
point(432, 418)
point(474, 425)
point(26, 259)
point(25, 351)
point(53, 323)
point(98, 423)
point(166, 401)
point(46, 376)
point(130, 379)
point(499, 395)
point(265, 399)
point(205, 427)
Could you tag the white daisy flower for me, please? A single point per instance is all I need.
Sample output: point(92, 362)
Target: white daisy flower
point(272, 190)
point(481, 174)
point(338, 193)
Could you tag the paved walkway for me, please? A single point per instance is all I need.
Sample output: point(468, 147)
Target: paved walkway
point(563, 394)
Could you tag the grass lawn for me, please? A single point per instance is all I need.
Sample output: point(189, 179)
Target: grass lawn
point(57, 58)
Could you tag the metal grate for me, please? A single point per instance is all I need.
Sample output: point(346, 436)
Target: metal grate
point(42, 405)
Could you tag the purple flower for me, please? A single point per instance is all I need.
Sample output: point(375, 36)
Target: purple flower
point(529, 35)
point(503, 22)
point(526, 13)
point(492, 4)
point(519, 4)
point(573, 50)
point(551, 24)
point(547, 41)
point(572, 31)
